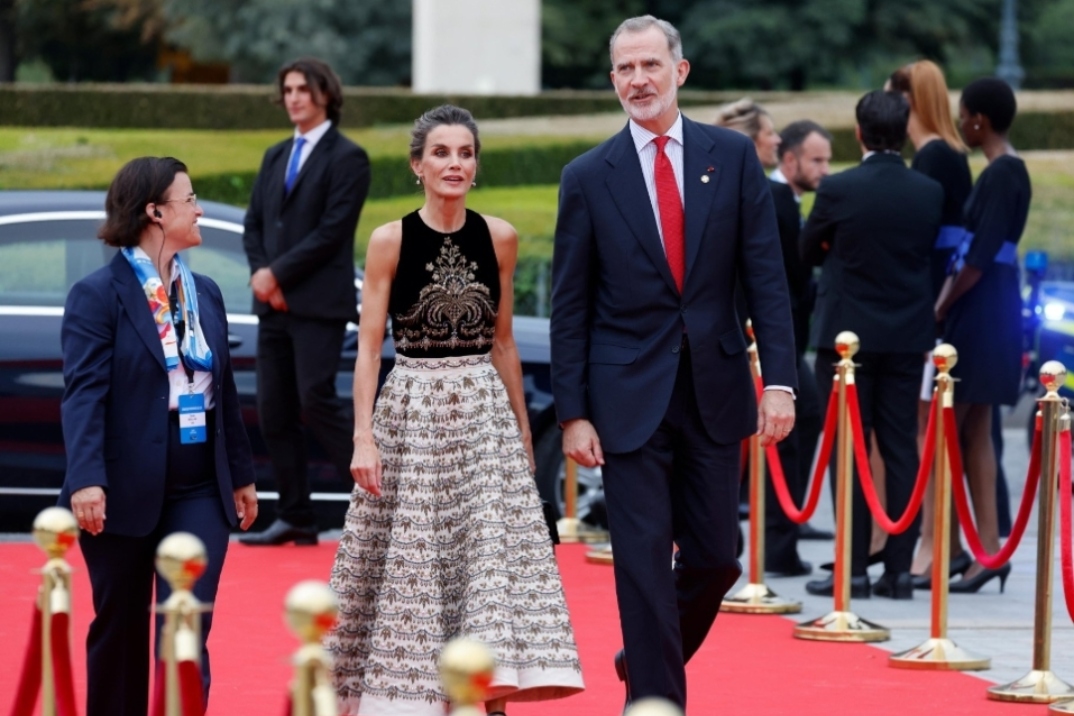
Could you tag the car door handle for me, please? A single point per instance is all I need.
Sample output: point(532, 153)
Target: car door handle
point(233, 341)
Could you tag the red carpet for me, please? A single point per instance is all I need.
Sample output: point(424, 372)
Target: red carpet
point(750, 664)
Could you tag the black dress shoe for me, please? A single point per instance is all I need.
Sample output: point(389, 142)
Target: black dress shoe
point(874, 558)
point(957, 565)
point(971, 585)
point(859, 587)
point(894, 585)
point(622, 673)
point(280, 532)
point(808, 531)
point(800, 569)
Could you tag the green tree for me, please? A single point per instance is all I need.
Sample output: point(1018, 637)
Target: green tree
point(367, 42)
point(1050, 53)
point(574, 40)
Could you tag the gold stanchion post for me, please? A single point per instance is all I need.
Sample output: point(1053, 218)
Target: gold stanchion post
point(938, 651)
point(1040, 685)
point(652, 707)
point(311, 610)
point(55, 530)
point(843, 624)
point(569, 526)
point(756, 597)
point(181, 560)
point(466, 670)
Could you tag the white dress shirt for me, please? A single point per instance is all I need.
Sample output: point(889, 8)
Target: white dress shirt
point(312, 137)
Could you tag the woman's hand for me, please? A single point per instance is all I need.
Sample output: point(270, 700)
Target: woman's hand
point(527, 442)
point(88, 506)
point(365, 465)
point(246, 505)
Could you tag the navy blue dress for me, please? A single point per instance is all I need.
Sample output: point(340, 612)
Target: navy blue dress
point(940, 161)
point(985, 324)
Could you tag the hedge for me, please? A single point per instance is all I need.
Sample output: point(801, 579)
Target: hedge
point(391, 176)
point(158, 106)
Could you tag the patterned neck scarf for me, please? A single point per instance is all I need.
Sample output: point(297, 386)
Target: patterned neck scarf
point(196, 353)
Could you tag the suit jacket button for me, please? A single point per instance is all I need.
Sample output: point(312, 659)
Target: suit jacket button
point(279, 224)
point(675, 349)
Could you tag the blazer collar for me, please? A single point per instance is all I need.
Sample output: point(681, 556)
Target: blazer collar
point(136, 306)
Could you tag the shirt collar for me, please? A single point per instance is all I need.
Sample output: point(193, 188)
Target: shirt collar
point(777, 176)
point(314, 135)
point(642, 136)
point(872, 153)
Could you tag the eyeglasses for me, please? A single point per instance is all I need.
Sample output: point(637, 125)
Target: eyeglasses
point(192, 200)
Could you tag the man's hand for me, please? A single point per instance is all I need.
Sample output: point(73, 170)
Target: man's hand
point(581, 444)
point(775, 416)
point(246, 506)
point(263, 282)
point(277, 301)
point(88, 506)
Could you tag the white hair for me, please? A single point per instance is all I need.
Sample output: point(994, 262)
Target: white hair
point(643, 23)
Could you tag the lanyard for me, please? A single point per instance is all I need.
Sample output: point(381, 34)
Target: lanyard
point(178, 319)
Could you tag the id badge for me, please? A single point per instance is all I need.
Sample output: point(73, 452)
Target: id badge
point(191, 418)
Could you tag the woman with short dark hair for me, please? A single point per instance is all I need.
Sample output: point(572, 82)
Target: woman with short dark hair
point(980, 304)
point(445, 536)
point(151, 423)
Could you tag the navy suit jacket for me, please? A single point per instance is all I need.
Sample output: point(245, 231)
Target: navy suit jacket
point(306, 236)
point(115, 400)
point(617, 317)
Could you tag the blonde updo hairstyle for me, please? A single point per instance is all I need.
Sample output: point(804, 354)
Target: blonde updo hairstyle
point(742, 116)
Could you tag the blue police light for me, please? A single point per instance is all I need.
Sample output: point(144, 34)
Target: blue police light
point(1036, 262)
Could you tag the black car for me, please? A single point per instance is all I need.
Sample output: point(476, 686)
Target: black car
point(48, 242)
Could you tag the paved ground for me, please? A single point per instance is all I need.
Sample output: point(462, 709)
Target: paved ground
point(988, 624)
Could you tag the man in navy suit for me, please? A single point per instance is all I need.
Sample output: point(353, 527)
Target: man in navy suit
point(649, 367)
point(299, 240)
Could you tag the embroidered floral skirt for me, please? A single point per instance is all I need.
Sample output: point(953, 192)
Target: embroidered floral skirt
point(456, 545)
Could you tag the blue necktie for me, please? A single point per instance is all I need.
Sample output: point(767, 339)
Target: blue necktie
point(292, 167)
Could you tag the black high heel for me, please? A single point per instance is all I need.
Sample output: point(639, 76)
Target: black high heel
point(973, 584)
point(957, 565)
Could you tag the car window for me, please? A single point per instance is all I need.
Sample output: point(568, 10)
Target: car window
point(221, 258)
point(41, 260)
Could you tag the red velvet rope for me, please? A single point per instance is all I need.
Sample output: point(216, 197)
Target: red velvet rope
point(962, 506)
point(779, 480)
point(62, 673)
point(157, 707)
point(190, 694)
point(30, 679)
point(1066, 546)
point(865, 473)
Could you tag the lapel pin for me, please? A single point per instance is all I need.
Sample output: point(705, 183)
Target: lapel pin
point(704, 178)
point(710, 170)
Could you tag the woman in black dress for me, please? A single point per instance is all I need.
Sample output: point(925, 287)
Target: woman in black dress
point(980, 303)
point(939, 153)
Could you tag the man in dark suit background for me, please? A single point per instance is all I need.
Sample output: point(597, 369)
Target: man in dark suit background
point(649, 367)
point(805, 153)
point(871, 229)
point(299, 240)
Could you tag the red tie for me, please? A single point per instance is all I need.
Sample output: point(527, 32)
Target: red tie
point(670, 204)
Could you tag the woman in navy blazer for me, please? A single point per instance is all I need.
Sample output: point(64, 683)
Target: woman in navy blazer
point(142, 337)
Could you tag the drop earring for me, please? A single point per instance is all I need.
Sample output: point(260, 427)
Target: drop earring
point(418, 180)
point(976, 126)
point(473, 183)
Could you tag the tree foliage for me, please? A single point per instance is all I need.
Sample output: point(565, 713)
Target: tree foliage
point(367, 42)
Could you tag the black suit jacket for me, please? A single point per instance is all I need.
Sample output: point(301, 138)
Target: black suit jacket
point(307, 236)
point(799, 274)
point(617, 316)
point(872, 228)
point(115, 399)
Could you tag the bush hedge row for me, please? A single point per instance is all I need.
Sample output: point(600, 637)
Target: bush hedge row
point(542, 165)
point(151, 106)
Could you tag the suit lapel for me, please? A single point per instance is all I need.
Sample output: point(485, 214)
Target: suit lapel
point(698, 195)
point(136, 306)
point(626, 183)
point(318, 155)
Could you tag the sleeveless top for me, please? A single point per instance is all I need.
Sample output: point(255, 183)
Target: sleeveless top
point(446, 292)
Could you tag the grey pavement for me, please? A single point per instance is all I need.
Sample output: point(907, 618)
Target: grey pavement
point(987, 624)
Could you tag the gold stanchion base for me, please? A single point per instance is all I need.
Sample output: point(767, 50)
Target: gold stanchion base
point(1062, 707)
point(841, 626)
point(939, 655)
point(600, 555)
point(572, 530)
point(758, 599)
point(1036, 687)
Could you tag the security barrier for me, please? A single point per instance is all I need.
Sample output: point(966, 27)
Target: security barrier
point(181, 560)
point(46, 667)
point(311, 610)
